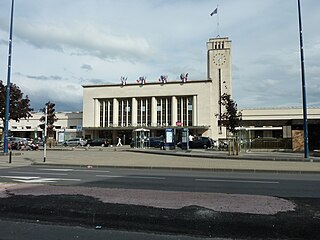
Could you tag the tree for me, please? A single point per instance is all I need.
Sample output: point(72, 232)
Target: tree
point(19, 106)
point(51, 117)
point(231, 117)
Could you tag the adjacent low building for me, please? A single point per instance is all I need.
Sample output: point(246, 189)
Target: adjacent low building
point(69, 125)
point(282, 124)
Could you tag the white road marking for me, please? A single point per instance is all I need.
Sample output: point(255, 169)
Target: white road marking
point(39, 173)
point(38, 179)
point(74, 170)
point(235, 181)
point(132, 177)
point(97, 171)
point(110, 176)
point(58, 169)
point(19, 177)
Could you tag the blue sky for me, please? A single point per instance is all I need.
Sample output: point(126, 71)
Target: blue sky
point(59, 45)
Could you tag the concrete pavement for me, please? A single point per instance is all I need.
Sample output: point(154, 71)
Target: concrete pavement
point(167, 159)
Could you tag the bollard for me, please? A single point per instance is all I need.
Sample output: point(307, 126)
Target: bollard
point(10, 156)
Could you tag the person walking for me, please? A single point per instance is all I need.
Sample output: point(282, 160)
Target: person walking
point(119, 142)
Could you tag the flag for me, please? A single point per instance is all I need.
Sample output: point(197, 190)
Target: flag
point(214, 12)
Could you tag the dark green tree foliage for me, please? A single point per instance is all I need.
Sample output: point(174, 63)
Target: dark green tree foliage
point(51, 116)
point(231, 117)
point(19, 106)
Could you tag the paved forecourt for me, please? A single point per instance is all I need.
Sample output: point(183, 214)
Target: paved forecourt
point(125, 157)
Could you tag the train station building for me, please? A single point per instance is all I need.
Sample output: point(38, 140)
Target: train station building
point(113, 110)
point(116, 110)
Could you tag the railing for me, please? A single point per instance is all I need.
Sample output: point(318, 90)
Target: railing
point(271, 143)
point(258, 143)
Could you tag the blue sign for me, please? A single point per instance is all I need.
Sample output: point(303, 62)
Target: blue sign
point(169, 138)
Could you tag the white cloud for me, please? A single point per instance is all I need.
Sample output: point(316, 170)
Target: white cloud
point(84, 40)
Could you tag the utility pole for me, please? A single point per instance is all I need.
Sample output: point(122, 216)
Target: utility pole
point(6, 123)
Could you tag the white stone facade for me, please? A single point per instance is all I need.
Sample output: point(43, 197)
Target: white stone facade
point(155, 105)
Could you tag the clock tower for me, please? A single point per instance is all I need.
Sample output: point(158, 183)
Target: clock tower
point(219, 72)
point(219, 64)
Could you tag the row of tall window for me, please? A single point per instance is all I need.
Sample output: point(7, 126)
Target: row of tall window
point(185, 110)
point(164, 111)
point(144, 105)
point(144, 111)
point(106, 112)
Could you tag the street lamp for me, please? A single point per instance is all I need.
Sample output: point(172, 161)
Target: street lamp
point(304, 98)
point(5, 149)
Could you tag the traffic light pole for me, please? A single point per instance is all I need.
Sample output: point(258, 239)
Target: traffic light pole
point(45, 135)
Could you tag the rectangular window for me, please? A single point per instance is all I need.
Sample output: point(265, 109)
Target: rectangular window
point(179, 117)
point(185, 110)
point(124, 114)
point(190, 104)
point(169, 113)
point(159, 122)
point(164, 111)
point(110, 113)
point(106, 112)
point(144, 111)
point(101, 101)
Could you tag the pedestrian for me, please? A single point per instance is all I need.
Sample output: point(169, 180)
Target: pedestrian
point(191, 138)
point(119, 142)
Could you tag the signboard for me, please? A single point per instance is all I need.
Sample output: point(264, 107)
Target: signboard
point(169, 138)
point(179, 124)
point(60, 137)
point(185, 139)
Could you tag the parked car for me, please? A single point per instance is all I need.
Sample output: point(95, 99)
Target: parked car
point(98, 142)
point(199, 142)
point(17, 142)
point(156, 142)
point(75, 142)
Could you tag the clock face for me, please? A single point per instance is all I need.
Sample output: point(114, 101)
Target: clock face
point(219, 59)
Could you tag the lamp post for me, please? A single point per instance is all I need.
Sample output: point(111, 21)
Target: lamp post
point(304, 98)
point(6, 127)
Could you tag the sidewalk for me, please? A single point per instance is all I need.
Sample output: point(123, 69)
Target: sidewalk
point(170, 159)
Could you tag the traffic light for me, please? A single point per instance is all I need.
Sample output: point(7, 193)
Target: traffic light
point(51, 116)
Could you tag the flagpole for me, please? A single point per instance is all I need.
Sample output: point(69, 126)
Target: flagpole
point(218, 34)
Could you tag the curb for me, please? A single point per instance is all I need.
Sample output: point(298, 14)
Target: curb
point(179, 168)
point(226, 157)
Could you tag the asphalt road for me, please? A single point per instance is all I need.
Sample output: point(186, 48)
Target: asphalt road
point(272, 184)
point(17, 230)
